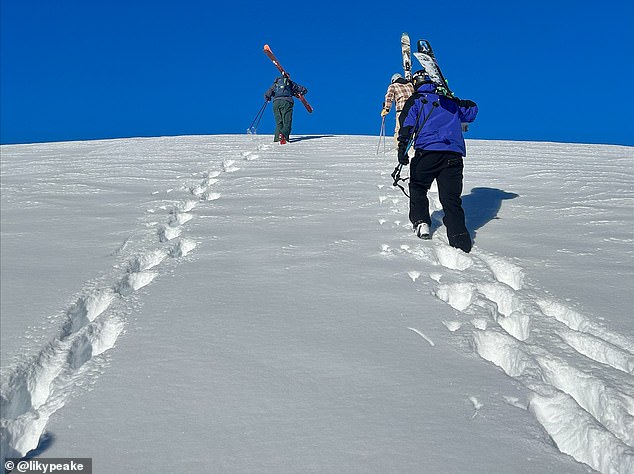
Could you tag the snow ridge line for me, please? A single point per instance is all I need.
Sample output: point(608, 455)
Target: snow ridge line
point(32, 391)
point(547, 346)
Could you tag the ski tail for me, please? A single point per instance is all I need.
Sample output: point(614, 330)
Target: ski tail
point(427, 58)
point(271, 56)
point(423, 46)
point(269, 53)
point(406, 56)
point(303, 100)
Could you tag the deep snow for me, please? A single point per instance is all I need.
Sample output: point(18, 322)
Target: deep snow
point(224, 304)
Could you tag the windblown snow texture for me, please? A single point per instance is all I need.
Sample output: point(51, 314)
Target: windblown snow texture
point(319, 219)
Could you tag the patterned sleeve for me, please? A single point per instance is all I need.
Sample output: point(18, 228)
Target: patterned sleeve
point(389, 98)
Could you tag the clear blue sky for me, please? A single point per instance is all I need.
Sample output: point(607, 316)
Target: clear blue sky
point(557, 70)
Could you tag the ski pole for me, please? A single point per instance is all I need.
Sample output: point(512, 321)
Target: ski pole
point(256, 121)
point(396, 176)
point(381, 134)
point(258, 117)
point(384, 136)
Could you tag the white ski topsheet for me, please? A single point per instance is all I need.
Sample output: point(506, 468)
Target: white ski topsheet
point(430, 66)
point(406, 54)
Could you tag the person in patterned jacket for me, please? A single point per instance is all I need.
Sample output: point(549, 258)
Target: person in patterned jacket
point(398, 92)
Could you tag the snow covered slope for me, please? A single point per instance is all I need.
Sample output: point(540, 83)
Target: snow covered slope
point(221, 303)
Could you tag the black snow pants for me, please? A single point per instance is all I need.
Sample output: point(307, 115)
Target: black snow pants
point(446, 168)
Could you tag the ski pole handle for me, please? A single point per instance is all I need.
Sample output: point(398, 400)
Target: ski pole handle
point(396, 174)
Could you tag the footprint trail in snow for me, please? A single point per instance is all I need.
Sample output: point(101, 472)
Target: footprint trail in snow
point(578, 373)
point(36, 388)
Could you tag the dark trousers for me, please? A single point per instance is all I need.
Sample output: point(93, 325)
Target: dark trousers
point(446, 168)
point(283, 113)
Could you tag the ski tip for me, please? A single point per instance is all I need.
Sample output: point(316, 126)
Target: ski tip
point(267, 47)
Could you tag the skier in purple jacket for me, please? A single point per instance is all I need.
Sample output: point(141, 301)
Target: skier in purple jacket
point(434, 123)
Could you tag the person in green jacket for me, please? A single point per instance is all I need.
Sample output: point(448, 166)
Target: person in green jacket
point(282, 92)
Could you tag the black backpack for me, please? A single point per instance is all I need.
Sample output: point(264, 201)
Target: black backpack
point(282, 87)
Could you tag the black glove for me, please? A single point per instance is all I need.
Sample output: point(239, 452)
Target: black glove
point(468, 103)
point(403, 158)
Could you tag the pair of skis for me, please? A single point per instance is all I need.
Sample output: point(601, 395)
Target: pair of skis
point(271, 56)
point(426, 57)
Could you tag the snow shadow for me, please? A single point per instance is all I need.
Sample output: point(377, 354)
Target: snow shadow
point(46, 441)
point(480, 206)
point(309, 137)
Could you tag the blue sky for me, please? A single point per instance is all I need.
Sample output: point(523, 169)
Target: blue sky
point(555, 70)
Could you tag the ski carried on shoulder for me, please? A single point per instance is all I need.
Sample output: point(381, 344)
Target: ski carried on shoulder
point(271, 56)
point(407, 56)
point(426, 57)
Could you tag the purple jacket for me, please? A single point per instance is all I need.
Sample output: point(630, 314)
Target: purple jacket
point(436, 120)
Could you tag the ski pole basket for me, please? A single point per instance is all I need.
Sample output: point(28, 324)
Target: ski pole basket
point(256, 121)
